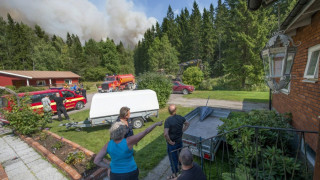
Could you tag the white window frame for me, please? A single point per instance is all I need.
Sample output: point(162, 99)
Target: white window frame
point(69, 81)
point(41, 82)
point(316, 72)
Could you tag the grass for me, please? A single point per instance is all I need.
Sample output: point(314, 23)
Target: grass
point(243, 96)
point(91, 86)
point(149, 151)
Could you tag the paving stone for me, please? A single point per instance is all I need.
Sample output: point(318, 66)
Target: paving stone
point(12, 164)
point(20, 147)
point(6, 157)
point(49, 174)
point(25, 151)
point(28, 158)
point(39, 165)
point(20, 170)
point(23, 176)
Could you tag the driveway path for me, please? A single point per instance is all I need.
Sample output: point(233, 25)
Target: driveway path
point(232, 105)
point(22, 162)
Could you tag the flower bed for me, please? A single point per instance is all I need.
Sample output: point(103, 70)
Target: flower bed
point(73, 159)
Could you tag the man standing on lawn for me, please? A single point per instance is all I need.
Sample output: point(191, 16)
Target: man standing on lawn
point(174, 126)
point(46, 102)
point(60, 106)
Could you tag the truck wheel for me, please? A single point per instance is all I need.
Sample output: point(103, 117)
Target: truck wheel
point(137, 123)
point(79, 105)
point(185, 91)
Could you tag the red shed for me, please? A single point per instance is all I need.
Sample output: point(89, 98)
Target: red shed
point(37, 78)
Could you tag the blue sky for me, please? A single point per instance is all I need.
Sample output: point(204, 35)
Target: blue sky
point(158, 8)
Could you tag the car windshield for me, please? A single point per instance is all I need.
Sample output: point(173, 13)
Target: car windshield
point(110, 78)
point(182, 84)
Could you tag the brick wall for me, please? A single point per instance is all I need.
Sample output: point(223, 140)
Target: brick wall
point(304, 98)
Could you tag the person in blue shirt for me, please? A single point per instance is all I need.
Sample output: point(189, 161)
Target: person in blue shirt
point(120, 149)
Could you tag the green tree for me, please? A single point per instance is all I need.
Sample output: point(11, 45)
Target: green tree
point(208, 41)
point(248, 35)
point(126, 60)
point(193, 76)
point(110, 56)
point(195, 32)
point(163, 55)
point(157, 82)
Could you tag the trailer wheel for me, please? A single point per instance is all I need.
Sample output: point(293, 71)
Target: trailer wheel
point(79, 105)
point(137, 123)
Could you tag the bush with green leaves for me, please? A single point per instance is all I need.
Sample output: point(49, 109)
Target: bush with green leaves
point(29, 89)
point(22, 118)
point(273, 147)
point(157, 82)
point(193, 76)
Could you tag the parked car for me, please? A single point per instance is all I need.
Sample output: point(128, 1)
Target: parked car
point(179, 87)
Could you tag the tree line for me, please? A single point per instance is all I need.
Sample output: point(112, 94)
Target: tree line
point(228, 38)
point(24, 48)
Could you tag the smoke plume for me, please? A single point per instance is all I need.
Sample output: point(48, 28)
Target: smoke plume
point(119, 22)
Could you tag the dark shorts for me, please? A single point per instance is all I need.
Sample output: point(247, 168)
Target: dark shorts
point(133, 175)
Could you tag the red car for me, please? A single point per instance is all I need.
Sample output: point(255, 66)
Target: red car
point(179, 87)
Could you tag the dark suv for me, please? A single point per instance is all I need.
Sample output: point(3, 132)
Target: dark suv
point(179, 87)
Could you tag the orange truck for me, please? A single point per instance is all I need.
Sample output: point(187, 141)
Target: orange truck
point(117, 83)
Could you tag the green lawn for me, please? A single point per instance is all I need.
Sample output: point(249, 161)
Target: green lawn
point(91, 86)
point(244, 96)
point(148, 153)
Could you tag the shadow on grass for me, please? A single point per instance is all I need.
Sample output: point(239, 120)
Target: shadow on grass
point(151, 155)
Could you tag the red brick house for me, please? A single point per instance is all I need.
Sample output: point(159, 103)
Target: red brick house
point(37, 78)
point(302, 96)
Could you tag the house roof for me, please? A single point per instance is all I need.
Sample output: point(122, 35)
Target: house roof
point(300, 15)
point(40, 74)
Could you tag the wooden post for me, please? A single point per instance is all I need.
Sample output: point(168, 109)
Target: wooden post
point(316, 172)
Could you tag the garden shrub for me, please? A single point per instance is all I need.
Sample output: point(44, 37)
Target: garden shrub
point(193, 76)
point(29, 89)
point(22, 118)
point(243, 142)
point(157, 82)
point(207, 84)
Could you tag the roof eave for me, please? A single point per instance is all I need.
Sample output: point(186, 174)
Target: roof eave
point(13, 74)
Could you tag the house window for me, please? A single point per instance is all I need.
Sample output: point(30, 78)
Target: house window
point(41, 82)
point(312, 68)
point(68, 81)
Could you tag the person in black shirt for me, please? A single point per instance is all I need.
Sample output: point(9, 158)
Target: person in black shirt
point(190, 169)
point(60, 106)
point(174, 126)
point(84, 93)
point(124, 117)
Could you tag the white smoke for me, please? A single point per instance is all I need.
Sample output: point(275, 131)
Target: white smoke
point(120, 22)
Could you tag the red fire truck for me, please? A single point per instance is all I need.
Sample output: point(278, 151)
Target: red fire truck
point(117, 83)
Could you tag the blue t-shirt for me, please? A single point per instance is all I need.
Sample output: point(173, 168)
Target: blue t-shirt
point(122, 160)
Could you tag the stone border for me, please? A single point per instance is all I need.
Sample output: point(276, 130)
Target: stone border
point(73, 174)
point(3, 174)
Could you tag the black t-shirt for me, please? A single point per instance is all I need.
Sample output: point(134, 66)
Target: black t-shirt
point(59, 101)
point(175, 124)
point(193, 173)
point(84, 92)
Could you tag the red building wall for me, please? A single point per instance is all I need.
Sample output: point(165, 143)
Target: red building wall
point(6, 80)
point(303, 101)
